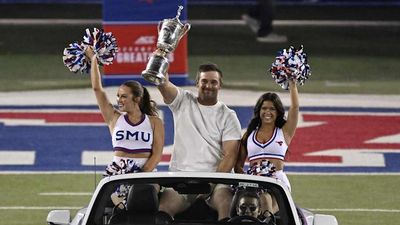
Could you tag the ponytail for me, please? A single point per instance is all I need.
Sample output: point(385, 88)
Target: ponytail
point(148, 106)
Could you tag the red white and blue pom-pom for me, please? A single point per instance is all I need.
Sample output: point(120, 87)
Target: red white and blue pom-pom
point(74, 58)
point(290, 64)
point(122, 167)
point(263, 168)
point(104, 45)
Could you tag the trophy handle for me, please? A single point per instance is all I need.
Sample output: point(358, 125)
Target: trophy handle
point(186, 28)
point(159, 26)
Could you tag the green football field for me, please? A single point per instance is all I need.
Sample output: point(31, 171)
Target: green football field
point(354, 199)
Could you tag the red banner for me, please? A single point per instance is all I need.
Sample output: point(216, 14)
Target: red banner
point(136, 43)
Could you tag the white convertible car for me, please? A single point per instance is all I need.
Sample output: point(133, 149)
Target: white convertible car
point(140, 204)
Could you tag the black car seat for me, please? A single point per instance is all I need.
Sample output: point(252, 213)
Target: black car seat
point(142, 203)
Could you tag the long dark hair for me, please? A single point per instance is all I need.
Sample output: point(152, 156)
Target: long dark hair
point(146, 105)
point(256, 120)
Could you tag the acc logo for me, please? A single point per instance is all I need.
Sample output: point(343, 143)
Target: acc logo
point(145, 40)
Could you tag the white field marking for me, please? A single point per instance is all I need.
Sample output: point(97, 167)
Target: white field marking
point(335, 23)
point(17, 122)
point(350, 157)
point(359, 210)
point(66, 193)
point(42, 122)
point(330, 113)
point(102, 157)
point(105, 157)
point(94, 124)
point(38, 207)
point(228, 96)
point(389, 139)
point(168, 149)
point(301, 123)
point(49, 21)
point(341, 84)
point(17, 157)
point(163, 163)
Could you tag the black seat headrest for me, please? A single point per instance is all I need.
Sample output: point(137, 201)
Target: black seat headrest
point(142, 198)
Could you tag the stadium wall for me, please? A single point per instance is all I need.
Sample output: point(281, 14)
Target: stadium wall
point(227, 2)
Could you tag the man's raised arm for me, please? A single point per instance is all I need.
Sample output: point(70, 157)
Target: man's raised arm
point(168, 90)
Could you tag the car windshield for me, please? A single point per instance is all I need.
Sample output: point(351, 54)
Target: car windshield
point(136, 201)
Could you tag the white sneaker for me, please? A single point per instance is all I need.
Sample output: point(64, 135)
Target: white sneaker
point(251, 22)
point(273, 38)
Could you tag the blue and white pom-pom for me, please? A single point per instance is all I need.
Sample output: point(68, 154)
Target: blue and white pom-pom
point(264, 168)
point(290, 64)
point(74, 58)
point(104, 45)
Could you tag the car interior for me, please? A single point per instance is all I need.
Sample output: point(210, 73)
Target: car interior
point(142, 200)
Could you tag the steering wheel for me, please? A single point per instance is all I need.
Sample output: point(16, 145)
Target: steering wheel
point(244, 218)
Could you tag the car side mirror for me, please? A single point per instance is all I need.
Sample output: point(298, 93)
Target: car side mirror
point(59, 217)
point(321, 219)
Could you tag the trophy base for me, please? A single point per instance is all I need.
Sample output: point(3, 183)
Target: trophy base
point(153, 77)
point(156, 67)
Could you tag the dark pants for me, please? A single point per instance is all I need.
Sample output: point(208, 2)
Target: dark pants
point(264, 12)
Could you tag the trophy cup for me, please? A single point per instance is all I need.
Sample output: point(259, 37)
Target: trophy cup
point(170, 31)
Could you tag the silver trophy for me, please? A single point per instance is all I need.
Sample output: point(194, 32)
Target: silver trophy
point(170, 32)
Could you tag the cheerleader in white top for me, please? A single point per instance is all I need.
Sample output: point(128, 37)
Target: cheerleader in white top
point(268, 136)
point(137, 131)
